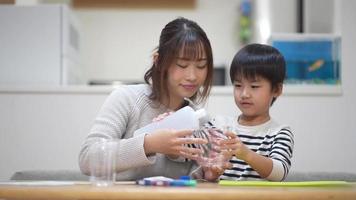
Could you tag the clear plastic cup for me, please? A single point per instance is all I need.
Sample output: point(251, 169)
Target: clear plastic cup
point(102, 162)
point(224, 123)
point(213, 132)
point(211, 155)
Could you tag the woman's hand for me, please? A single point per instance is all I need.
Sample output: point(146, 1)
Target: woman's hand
point(172, 142)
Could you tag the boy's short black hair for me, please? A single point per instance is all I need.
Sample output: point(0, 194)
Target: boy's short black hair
point(255, 60)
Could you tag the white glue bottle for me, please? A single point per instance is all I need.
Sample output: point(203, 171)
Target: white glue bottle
point(184, 118)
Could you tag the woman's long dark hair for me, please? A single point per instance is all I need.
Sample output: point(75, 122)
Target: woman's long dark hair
point(179, 35)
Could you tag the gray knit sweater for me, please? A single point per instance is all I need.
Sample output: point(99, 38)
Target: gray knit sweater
point(125, 110)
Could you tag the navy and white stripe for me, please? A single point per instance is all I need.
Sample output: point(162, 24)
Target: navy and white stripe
point(270, 140)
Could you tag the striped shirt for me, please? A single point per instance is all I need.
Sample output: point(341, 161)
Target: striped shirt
point(269, 139)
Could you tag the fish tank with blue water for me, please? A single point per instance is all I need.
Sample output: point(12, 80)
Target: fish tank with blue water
point(310, 58)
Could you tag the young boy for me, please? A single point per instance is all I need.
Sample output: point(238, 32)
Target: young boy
point(260, 147)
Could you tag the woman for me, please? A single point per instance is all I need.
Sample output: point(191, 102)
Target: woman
point(181, 75)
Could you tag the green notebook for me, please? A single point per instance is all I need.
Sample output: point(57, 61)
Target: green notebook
point(285, 184)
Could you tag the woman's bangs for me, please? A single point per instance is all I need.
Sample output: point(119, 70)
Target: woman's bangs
point(192, 50)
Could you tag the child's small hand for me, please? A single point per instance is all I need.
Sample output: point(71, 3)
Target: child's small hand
point(234, 146)
point(214, 172)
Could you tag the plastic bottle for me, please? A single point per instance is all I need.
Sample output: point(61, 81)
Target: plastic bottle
point(184, 118)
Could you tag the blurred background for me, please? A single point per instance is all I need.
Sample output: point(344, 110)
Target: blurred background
point(97, 42)
point(60, 59)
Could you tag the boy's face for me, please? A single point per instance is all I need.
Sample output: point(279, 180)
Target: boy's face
point(254, 97)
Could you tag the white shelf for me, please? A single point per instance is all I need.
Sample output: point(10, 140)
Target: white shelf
point(289, 90)
point(292, 90)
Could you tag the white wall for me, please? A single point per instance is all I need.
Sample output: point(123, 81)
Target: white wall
point(43, 130)
point(268, 18)
point(117, 43)
point(319, 16)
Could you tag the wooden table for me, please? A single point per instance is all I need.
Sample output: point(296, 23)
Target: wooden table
point(203, 191)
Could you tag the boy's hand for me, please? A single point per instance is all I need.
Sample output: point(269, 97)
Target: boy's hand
point(234, 146)
point(214, 172)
